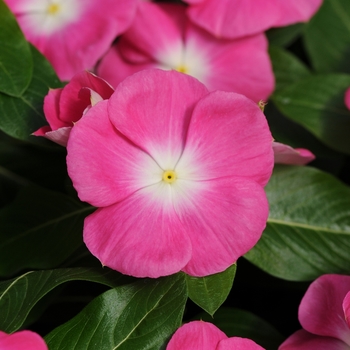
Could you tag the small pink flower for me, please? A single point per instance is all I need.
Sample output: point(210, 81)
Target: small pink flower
point(285, 154)
point(72, 34)
point(324, 314)
point(199, 335)
point(347, 98)
point(238, 18)
point(22, 340)
point(172, 42)
point(64, 107)
point(177, 174)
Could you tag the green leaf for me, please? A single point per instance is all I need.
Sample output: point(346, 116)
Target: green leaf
point(327, 37)
point(22, 115)
point(39, 230)
point(142, 315)
point(284, 36)
point(19, 295)
point(317, 103)
point(239, 323)
point(211, 291)
point(286, 67)
point(16, 64)
point(308, 229)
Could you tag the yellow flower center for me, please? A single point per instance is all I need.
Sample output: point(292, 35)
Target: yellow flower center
point(53, 9)
point(182, 69)
point(169, 176)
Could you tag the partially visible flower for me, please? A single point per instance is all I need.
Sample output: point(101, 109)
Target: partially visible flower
point(199, 335)
point(64, 107)
point(285, 154)
point(177, 174)
point(324, 314)
point(347, 98)
point(72, 34)
point(22, 340)
point(238, 18)
point(172, 42)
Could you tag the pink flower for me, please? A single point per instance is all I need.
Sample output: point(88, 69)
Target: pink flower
point(285, 154)
point(199, 335)
point(64, 107)
point(172, 42)
point(72, 34)
point(176, 172)
point(238, 18)
point(324, 314)
point(22, 340)
point(347, 98)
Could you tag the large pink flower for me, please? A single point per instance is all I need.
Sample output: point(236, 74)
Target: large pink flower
point(238, 18)
point(177, 173)
point(162, 37)
point(64, 107)
point(72, 34)
point(324, 314)
point(23, 340)
point(199, 335)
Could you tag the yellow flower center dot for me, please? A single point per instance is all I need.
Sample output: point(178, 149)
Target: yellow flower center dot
point(53, 9)
point(169, 176)
point(182, 69)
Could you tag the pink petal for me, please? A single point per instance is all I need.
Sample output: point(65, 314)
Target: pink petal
point(60, 136)
point(79, 43)
point(224, 219)
point(241, 66)
point(285, 154)
point(238, 18)
point(140, 236)
point(346, 308)
point(320, 311)
point(22, 340)
point(229, 136)
point(196, 335)
point(347, 98)
point(52, 109)
point(302, 340)
point(152, 108)
point(104, 166)
point(237, 343)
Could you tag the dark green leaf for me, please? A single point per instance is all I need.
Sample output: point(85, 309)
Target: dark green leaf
point(317, 103)
point(308, 230)
point(19, 295)
point(141, 316)
point(239, 323)
point(286, 67)
point(211, 291)
point(21, 116)
point(16, 65)
point(327, 37)
point(284, 36)
point(39, 230)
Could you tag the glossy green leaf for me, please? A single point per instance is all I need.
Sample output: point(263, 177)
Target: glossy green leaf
point(40, 229)
point(284, 36)
point(141, 315)
point(327, 37)
point(317, 103)
point(240, 323)
point(308, 230)
point(22, 115)
point(211, 291)
point(16, 65)
point(286, 67)
point(19, 295)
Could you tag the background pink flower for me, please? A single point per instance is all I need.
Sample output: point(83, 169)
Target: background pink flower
point(64, 107)
point(199, 335)
point(176, 172)
point(172, 42)
point(72, 34)
point(238, 18)
point(22, 340)
point(324, 313)
point(347, 98)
